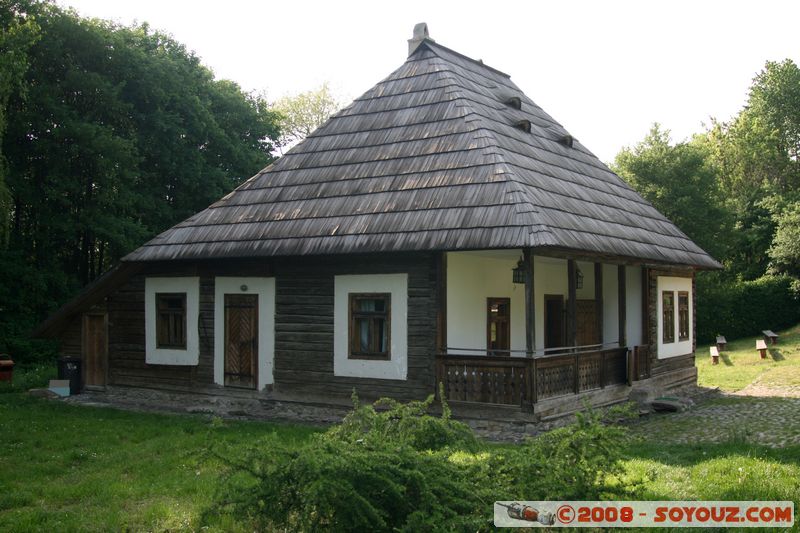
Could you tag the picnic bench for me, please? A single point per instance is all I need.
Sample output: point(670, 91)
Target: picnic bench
point(761, 346)
point(769, 335)
point(714, 355)
point(722, 343)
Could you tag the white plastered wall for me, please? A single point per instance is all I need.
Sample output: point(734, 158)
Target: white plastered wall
point(265, 289)
point(549, 277)
point(172, 356)
point(610, 304)
point(397, 366)
point(674, 284)
point(633, 305)
point(472, 277)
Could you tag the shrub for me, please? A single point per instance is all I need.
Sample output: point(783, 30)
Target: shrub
point(402, 469)
point(579, 462)
point(406, 424)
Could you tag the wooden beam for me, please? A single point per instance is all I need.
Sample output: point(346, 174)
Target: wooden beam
point(646, 306)
point(622, 295)
point(598, 299)
point(441, 296)
point(530, 309)
point(572, 308)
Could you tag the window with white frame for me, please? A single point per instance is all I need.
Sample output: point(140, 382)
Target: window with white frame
point(171, 320)
point(674, 312)
point(370, 323)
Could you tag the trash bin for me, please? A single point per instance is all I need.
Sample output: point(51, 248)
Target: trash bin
point(6, 368)
point(69, 368)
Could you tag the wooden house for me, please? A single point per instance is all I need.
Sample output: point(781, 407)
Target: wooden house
point(442, 228)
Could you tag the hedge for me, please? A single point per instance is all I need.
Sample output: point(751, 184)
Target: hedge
point(744, 308)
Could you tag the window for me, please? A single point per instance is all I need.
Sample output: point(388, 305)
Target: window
point(370, 318)
point(683, 316)
point(668, 316)
point(171, 320)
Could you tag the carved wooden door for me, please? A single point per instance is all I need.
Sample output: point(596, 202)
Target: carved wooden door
point(241, 340)
point(586, 311)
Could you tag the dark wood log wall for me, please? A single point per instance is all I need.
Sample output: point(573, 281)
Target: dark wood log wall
point(661, 366)
point(303, 326)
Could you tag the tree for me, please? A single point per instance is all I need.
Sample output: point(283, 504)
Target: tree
point(119, 134)
point(302, 113)
point(756, 154)
point(680, 183)
point(785, 250)
point(18, 32)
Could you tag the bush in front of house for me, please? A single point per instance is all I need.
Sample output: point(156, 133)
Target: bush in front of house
point(394, 467)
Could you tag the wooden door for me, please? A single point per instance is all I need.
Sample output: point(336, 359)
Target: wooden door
point(553, 321)
point(498, 326)
point(241, 340)
point(95, 350)
point(586, 311)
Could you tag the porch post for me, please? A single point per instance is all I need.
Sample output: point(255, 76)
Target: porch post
point(598, 299)
point(530, 316)
point(572, 308)
point(623, 341)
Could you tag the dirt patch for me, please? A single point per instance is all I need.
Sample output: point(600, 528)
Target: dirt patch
point(773, 391)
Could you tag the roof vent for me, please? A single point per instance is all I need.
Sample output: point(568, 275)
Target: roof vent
point(420, 35)
point(524, 125)
point(515, 102)
point(567, 140)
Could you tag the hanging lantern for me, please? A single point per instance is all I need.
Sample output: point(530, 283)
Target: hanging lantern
point(519, 272)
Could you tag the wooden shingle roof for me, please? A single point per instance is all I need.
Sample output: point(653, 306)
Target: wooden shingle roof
point(434, 157)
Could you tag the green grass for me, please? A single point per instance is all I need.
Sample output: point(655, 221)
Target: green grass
point(740, 364)
point(726, 471)
point(78, 468)
point(71, 468)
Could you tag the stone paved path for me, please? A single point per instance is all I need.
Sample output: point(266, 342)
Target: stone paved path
point(771, 421)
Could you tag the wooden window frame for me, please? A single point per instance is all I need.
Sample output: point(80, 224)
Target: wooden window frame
point(163, 338)
point(354, 316)
point(684, 325)
point(667, 318)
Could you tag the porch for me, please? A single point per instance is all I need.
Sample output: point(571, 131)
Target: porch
point(519, 329)
point(525, 381)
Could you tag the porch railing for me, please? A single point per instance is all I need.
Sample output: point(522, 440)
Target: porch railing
point(526, 380)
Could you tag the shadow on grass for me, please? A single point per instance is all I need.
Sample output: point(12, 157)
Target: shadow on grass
point(726, 359)
point(776, 354)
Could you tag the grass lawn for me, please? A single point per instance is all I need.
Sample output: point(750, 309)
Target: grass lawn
point(740, 364)
point(71, 468)
point(78, 468)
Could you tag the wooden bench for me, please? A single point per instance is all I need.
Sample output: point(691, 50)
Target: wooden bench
point(714, 355)
point(769, 335)
point(761, 346)
point(721, 343)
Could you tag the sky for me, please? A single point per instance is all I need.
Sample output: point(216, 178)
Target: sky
point(606, 70)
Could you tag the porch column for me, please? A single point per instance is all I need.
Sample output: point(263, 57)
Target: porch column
point(530, 316)
point(598, 300)
point(572, 309)
point(621, 305)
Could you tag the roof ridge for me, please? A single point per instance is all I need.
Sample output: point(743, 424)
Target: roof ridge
point(431, 45)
